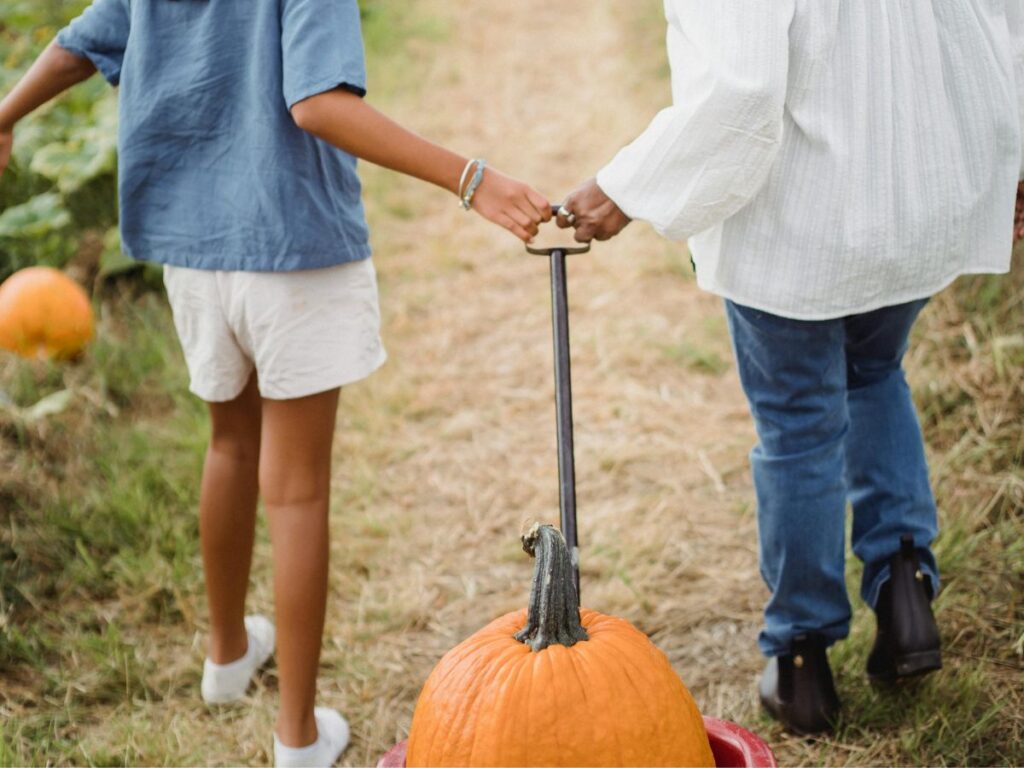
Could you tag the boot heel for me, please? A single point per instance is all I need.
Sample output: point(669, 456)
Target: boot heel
point(907, 642)
point(913, 664)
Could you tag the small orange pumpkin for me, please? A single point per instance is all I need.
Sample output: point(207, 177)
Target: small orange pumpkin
point(44, 313)
point(570, 688)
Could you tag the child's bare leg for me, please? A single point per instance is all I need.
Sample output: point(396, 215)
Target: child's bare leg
point(227, 518)
point(295, 473)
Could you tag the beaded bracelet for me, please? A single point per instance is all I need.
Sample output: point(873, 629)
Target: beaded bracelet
point(466, 198)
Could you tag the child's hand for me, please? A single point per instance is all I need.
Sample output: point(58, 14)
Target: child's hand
point(511, 204)
point(6, 143)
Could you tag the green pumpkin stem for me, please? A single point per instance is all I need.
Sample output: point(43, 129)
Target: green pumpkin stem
point(554, 614)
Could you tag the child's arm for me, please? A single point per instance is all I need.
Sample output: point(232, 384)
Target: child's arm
point(53, 72)
point(343, 119)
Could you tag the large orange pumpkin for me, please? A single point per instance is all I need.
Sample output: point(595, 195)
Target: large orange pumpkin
point(556, 686)
point(44, 313)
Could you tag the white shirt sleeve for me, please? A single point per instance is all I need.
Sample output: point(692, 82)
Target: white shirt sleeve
point(704, 158)
point(1015, 21)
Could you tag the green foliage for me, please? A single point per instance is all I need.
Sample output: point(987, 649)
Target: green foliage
point(114, 263)
point(62, 182)
point(87, 153)
point(62, 178)
point(40, 16)
point(112, 522)
point(384, 23)
point(37, 217)
point(35, 232)
point(113, 260)
point(697, 359)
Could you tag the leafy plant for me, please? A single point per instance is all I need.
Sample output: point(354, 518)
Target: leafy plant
point(62, 180)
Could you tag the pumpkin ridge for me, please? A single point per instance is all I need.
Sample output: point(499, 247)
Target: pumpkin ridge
point(482, 677)
point(598, 655)
point(673, 685)
point(507, 656)
point(578, 660)
point(507, 711)
point(548, 660)
point(469, 647)
point(460, 668)
point(566, 741)
point(506, 702)
point(458, 662)
point(634, 642)
point(532, 665)
point(615, 644)
point(469, 710)
point(465, 665)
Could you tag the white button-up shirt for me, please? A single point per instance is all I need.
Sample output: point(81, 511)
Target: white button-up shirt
point(829, 157)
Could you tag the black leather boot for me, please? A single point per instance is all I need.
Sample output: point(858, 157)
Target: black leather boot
point(907, 643)
point(797, 689)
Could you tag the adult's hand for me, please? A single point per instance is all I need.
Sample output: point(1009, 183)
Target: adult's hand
point(6, 143)
point(597, 215)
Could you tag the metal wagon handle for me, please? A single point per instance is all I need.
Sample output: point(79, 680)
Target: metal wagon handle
point(563, 394)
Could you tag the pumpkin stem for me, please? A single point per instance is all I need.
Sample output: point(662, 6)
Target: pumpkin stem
point(554, 614)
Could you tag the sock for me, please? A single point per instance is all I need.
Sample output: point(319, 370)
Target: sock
point(331, 740)
point(223, 683)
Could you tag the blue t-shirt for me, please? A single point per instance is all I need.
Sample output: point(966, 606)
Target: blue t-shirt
point(213, 171)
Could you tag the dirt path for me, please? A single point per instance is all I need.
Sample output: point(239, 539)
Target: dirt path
point(454, 441)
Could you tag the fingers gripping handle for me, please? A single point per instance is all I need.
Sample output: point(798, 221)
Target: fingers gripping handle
point(548, 250)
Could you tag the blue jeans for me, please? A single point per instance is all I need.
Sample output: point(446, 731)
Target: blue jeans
point(835, 423)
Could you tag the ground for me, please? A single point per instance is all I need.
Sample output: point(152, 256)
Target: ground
point(448, 453)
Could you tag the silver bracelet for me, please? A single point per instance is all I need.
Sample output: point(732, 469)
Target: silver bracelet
point(462, 178)
point(467, 198)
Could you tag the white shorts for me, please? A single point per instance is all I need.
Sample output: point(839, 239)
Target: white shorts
point(303, 332)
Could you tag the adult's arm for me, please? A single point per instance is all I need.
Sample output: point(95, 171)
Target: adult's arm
point(704, 158)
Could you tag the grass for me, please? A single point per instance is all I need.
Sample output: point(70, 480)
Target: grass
point(969, 387)
point(444, 454)
point(971, 403)
point(95, 547)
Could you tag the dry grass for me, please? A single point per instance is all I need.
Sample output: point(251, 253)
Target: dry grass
point(445, 454)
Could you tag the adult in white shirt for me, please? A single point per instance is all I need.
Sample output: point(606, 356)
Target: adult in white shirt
point(833, 165)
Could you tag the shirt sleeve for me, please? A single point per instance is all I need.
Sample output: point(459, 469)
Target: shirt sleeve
point(704, 158)
point(321, 48)
point(100, 34)
point(1015, 22)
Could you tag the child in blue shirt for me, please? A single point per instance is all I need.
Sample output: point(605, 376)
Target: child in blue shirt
point(240, 125)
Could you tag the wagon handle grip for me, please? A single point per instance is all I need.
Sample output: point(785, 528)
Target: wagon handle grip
point(548, 250)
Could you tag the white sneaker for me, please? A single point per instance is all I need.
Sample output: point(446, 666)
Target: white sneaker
point(331, 740)
point(224, 683)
